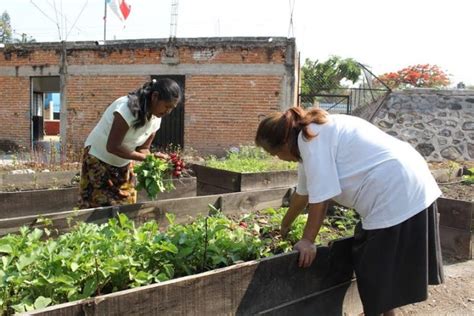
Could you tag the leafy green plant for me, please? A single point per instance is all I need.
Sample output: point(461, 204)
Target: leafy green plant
point(452, 168)
point(343, 220)
point(469, 178)
point(249, 159)
point(154, 175)
point(37, 270)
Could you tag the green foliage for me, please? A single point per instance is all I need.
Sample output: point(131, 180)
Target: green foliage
point(469, 178)
point(249, 159)
point(6, 32)
point(88, 261)
point(317, 77)
point(154, 175)
point(343, 220)
point(37, 271)
point(5, 28)
point(452, 168)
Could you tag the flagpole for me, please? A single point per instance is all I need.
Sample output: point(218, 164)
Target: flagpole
point(105, 20)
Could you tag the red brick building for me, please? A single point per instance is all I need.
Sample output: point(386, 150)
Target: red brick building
point(229, 84)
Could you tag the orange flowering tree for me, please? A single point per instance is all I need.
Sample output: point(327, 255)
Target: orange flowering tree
point(418, 76)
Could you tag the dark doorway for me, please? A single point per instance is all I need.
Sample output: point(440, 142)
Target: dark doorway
point(171, 131)
point(37, 116)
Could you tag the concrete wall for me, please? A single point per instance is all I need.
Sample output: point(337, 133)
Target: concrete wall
point(230, 84)
point(438, 123)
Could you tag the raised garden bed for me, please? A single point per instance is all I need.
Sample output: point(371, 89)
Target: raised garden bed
point(32, 202)
point(217, 181)
point(273, 285)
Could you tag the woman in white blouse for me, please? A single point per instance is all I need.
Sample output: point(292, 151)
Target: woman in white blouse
point(123, 135)
point(396, 249)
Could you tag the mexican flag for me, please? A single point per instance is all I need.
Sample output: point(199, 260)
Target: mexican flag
point(120, 8)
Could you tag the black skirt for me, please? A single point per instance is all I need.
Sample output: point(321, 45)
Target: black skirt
point(394, 265)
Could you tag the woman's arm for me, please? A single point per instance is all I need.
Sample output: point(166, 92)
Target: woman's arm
point(114, 142)
point(297, 204)
point(306, 247)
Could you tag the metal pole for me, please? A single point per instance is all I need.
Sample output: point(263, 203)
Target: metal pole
point(105, 19)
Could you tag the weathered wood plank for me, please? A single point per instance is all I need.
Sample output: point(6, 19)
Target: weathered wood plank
point(209, 189)
point(224, 179)
point(36, 180)
point(25, 203)
point(456, 213)
point(456, 243)
point(272, 286)
point(249, 201)
point(271, 179)
point(216, 181)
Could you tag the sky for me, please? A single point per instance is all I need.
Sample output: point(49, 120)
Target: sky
point(385, 35)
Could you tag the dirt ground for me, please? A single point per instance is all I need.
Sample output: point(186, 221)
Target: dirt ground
point(458, 191)
point(454, 297)
point(449, 181)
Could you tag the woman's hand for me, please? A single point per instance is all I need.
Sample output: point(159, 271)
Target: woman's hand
point(161, 155)
point(307, 252)
point(297, 204)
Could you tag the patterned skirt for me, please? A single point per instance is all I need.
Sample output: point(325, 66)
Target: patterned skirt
point(102, 184)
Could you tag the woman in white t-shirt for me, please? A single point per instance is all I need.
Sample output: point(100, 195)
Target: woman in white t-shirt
point(123, 134)
point(396, 247)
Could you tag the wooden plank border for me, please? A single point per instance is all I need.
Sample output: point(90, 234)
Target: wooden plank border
point(456, 228)
point(25, 203)
point(37, 180)
point(217, 181)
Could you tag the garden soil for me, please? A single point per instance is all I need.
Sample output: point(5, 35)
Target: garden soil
point(454, 297)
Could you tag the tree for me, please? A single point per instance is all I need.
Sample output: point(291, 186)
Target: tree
point(6, 32)
point(417, 76)
point(5, 28)
point(24, 38)
point(319, 77)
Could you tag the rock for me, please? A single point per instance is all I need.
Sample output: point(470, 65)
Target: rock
point(440, 175)
point(23, 171)
point(451, 153)
point(425, 149)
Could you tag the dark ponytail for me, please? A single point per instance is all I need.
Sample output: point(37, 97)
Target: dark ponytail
point(280, 128)
point(139, 101)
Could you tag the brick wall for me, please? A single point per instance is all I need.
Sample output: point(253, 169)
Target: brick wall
point(223, 111)
point(89, 98)
point(15, 110)
point(230, 84)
